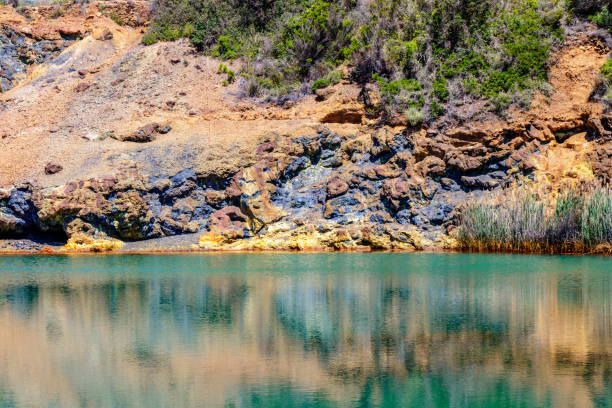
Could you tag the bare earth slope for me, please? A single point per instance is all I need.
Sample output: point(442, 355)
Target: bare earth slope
point(102, 138)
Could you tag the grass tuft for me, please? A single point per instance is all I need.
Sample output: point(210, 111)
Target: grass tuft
point(528, 221)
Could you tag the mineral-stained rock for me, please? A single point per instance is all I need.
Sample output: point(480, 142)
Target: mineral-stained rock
point(255, 197)
point(144, 134)
point(600, 160)
point(17, 211)
point(344, 114)
point(82, 87)
point(462, 162)
point(336, 187)
point(52, 168)
point(86, 243)
point(313, 191)
point(324, 93)
point(431, 165)
point(484, 181)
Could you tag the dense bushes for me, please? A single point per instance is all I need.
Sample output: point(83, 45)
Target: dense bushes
point(587, 7)
point(527, 221)
point(427, 55)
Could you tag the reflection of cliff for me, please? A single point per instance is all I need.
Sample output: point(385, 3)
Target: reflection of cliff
point(311, 338)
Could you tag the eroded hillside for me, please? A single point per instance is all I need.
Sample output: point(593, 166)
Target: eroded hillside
point(105, 139)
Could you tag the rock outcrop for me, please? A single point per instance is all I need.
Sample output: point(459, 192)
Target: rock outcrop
point(122, 142)
point(386, 189)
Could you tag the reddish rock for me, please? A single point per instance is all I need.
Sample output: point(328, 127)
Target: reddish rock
point(387, 170)
point(228, 217)
point(431, 165)
point(117, 81)
point(462, 162)
point(324, 93)
point(82, 87)
point(343, 115)
point(144, 134)
point(105, 35)
point(336, 187)
point(215, 198)
point(52, 168)
point(265, 148)
point(396, 189)
point(233, 191)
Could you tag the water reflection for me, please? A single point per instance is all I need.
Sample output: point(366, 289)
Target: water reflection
point(356, 330)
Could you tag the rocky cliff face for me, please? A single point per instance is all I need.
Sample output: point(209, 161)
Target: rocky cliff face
point(134, 143)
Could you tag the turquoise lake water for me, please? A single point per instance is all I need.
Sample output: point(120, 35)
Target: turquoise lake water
point(306, 330)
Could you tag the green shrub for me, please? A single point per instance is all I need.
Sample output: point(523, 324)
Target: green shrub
point(226, 48)
point(335, 77)
point(150, 38)
point(231, 76)
point(482, 49)
point(606, 71)
point(603, 18)
point(440, 89)
point(414, 115)
point(332, 78)
point(320, 84)
point(116, 18)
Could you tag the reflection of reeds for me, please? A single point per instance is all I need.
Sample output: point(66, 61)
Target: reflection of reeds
point(527, 220)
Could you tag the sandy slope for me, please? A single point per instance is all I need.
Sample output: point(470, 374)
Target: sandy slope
point(128, 86)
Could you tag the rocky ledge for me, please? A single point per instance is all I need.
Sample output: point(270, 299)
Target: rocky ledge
point(378, 189)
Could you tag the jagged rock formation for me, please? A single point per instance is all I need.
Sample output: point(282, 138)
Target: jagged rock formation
point(148, 144)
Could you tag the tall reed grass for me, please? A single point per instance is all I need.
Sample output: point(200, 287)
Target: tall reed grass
point(524, 220)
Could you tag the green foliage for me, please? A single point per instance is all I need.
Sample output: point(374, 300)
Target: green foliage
point(320, 84)
point(331, 78)
point(414, 115)
point(440, 89)
point(423, 48)
point(116, 18)
point(335, 77)
point(606, 71)
point(231, 75)
point(526, 221)
point(603, 18)
point(226, 48)
point(391, 89)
